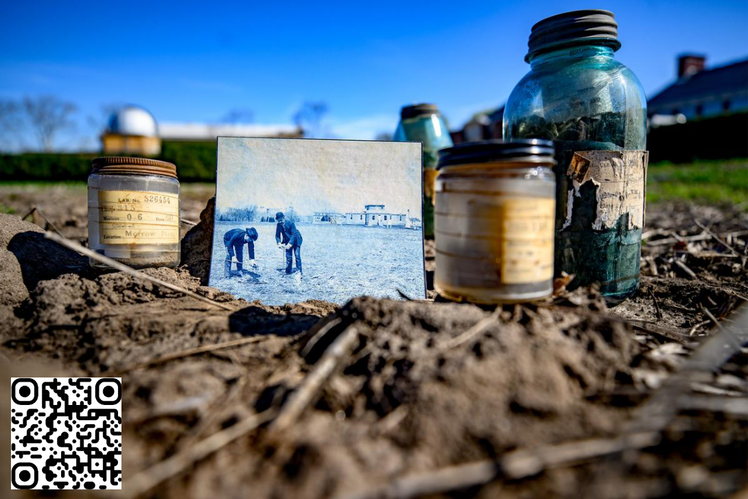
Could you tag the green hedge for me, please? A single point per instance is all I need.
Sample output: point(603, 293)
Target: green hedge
point(723, 137)
point(196, 161)
point(42, 166)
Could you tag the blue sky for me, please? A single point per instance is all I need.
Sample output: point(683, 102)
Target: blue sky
point(196, 61)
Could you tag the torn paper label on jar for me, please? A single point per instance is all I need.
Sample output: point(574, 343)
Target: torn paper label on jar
point(429, 181)
point(620, 181)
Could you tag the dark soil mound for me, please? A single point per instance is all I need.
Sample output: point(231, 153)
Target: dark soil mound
point(412, 399)
point(115, 320)
point(198, 243)
point(27, 257)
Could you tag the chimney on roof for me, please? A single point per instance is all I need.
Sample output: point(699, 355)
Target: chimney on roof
point(690, 64)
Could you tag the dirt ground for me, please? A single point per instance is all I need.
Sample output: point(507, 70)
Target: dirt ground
point(426, 398)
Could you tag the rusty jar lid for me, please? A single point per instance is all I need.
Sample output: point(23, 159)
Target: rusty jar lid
point(416, 110)
point(122, 165)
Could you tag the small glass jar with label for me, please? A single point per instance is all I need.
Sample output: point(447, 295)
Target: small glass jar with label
point(133, 212)
point(495, 208)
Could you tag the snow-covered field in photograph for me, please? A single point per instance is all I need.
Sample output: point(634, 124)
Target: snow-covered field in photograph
point(339, 262)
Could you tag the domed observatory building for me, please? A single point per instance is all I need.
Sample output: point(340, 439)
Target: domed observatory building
point(131, 130)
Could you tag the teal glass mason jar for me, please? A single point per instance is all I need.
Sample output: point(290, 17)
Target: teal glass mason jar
point(594, 109)
point(424, 123)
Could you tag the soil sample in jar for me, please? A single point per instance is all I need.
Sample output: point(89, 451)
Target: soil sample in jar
point(495, 208)
point(594, 109)
point(133, 212)
point(424, 123)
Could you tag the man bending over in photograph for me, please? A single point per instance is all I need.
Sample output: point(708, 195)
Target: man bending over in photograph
point(281, 238)
point(234, 240)
point(293, 246)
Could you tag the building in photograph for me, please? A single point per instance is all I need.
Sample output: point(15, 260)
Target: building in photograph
point(358, 218)
point(700, 93)
point(374, 215)
point(328, 217)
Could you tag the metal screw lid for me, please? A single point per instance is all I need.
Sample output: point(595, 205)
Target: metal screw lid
point(572, 28)
point(123, 165)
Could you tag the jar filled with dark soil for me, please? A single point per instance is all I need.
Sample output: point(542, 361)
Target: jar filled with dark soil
point(133, 212)
point(594, 109)
point(495, 206)
point(424, 123)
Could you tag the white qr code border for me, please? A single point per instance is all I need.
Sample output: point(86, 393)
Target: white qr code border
point(66, 433)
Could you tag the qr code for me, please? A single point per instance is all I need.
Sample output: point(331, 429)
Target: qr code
point(66, 433)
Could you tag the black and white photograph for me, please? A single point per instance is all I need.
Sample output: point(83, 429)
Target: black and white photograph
point(329, 220)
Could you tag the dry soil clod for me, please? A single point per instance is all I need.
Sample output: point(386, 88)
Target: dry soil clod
point(127, 270)
point(513, 466)
point(310, 387)
point(171, 467)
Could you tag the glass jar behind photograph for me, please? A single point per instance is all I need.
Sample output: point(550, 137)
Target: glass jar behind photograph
point(424, 123)
point(594, 109)
point(133, 212)
point(495, 203)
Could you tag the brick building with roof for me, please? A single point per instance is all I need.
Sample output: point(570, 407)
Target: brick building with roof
point(699, 92)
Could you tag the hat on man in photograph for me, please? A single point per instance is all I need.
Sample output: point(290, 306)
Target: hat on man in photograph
point(253, 235)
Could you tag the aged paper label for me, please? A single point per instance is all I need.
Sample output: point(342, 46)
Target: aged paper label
point(527, 240)
point(134, 217)
point(429, 181)
point(620, 177)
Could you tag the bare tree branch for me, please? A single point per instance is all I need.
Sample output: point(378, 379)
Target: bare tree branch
point(11, 122)
point(239, 115)
point(47, 115)
point(310, 119)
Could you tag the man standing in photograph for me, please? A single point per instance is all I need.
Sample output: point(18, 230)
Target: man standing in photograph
point(234, 241)
point(293, 246)
point(281, 238)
